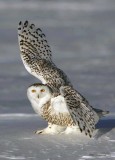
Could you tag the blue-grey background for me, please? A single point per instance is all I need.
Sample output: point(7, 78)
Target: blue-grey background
point(82, 38)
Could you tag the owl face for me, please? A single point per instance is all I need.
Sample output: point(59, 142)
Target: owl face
point(38, 91)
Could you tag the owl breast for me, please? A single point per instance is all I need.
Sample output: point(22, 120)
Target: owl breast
point(51, 116)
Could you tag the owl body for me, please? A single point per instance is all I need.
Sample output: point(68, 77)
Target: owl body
point(55, 99)
point(52, 109)
point(67, 109)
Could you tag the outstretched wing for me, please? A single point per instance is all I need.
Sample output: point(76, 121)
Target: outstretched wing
point(80, 110)
point(37, 58)
point(32, 43)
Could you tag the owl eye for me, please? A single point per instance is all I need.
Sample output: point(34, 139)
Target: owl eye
point(33, 90)
point(42, 90)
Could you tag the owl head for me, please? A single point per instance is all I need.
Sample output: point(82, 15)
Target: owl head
point(39, 91)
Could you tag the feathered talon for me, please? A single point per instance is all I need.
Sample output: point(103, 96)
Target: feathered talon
point(51, 129)
point(39, 132)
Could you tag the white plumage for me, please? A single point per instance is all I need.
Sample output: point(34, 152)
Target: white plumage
point(68, 109)
point(55, 100)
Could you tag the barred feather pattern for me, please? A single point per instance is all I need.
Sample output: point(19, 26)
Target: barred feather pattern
point(33, 41)
point(80, 110)
point(36, 56)
point(61, 119)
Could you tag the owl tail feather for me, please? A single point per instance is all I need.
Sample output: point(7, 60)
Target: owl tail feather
point(100, 112)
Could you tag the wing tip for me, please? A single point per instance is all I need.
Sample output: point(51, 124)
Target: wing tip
point(20, 26)
point(26, 23)
point(20, 23)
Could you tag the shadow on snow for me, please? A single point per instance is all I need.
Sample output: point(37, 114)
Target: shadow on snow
point(104, 126)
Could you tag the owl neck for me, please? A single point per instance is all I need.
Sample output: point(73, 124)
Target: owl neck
point(43, 101)
point(39, 106)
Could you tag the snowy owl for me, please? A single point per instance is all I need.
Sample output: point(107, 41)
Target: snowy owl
point(64, 108)
point(68, 111)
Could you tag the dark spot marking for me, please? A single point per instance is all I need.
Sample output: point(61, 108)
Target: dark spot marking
point(19, 28)
point(20, 23)
point(26, 23)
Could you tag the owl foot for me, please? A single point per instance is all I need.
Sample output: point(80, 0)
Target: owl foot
point(51, 129)
point(40, 131)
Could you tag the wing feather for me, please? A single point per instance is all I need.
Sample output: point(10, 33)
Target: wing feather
point(36, 56)
point(33, 41)
point(80, 110)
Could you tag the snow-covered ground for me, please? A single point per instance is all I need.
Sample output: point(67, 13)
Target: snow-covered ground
point(82, 38)
point(18, 141)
